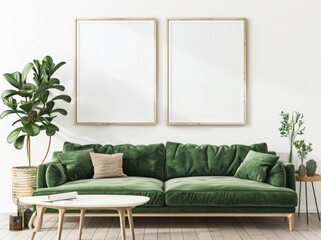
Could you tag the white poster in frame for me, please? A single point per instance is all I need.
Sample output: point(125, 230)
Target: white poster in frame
point(206, 71)
point(116, 71)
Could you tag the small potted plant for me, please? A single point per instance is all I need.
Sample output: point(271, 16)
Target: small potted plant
point(291, 126)
point(303, 150)
point(33, 104)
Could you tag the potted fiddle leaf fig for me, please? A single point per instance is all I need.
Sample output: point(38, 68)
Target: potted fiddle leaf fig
point(34, 105)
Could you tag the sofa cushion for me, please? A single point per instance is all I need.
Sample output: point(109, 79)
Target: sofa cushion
point(98, 148)
point(143, 160)
point(184, 160)
point(277, 176)
point(150, 187)
point(78, 164)
point(255, 166)
point(107, 165)
point(138, 160)
point(226, 191)
point(56, 174)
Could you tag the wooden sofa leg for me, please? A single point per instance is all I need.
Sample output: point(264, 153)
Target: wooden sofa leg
point(291, 222)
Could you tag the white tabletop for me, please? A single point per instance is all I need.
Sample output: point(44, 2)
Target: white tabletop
point(89, 201)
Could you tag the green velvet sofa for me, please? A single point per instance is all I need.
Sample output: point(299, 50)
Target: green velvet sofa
point(185, 180)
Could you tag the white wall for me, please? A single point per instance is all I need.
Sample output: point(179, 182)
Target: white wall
point(284, 62)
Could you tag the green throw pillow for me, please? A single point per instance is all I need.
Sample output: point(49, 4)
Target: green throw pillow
point(255, 165)
point(56, 175)
point(78, 164)
point(277, 176)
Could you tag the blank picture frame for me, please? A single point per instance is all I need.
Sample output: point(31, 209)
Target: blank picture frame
point(206, 75)
point(116, 71)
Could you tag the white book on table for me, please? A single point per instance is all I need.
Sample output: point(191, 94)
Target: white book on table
point(62, 196)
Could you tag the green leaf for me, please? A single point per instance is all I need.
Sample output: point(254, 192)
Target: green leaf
point(19, 120)
point(53, 81)
point(65, 98)
point(27, 106)
point(5, 113)
point(43, 112)
point(8, 93)
point(44, 96)
point(11, 79)
point(18, 144)
point(35, 105)
point(36, 66)
point(48, 60)
point(24, 120)
point(61, 111)
point(50, 132)
point(29, 86)
point(58, 66)
point(59, 87)
point(36, 74)
point(51, 129)
point(49, 119)
point(17, 77)
point(55, 68)
point(41, 89)
point(10, 102)
point(13, 135)
point(24, 93)
point(32, 129)
point(50, 106)
point(26, 71)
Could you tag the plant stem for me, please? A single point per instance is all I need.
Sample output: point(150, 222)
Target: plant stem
point(28, 150)
point(49, 144)
point(292, 138)
point(290, 154)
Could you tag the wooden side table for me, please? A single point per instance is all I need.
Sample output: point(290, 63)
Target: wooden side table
point(305, 179)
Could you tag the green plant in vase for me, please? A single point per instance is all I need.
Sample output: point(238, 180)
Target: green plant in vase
point(303, 150)
point(291, 126)
point(33, 104)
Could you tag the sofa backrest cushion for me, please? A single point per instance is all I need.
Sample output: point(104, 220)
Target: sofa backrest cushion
point(143, 160)
point(78, 164)
point(98, 148)
point(183, 160)
point(138, 160)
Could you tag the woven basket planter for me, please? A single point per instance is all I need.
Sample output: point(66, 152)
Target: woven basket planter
point(24, 181)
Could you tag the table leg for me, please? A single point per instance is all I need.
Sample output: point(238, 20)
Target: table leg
point(81, 222)
point(131, 223)
point(39, 213)
point(61, 221)
point(315, 200)
point(306, 202)
point(121, 213)
point(299, 199)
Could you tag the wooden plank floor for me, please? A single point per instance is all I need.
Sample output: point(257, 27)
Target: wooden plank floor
point(151, 228)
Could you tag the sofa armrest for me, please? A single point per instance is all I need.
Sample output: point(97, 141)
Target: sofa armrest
point(41, 173)
point(290, 174)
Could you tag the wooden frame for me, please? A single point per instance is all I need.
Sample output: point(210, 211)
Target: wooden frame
point(206, 74)
point(116, 71)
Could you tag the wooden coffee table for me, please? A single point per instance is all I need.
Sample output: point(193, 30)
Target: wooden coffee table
point(121, 203)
